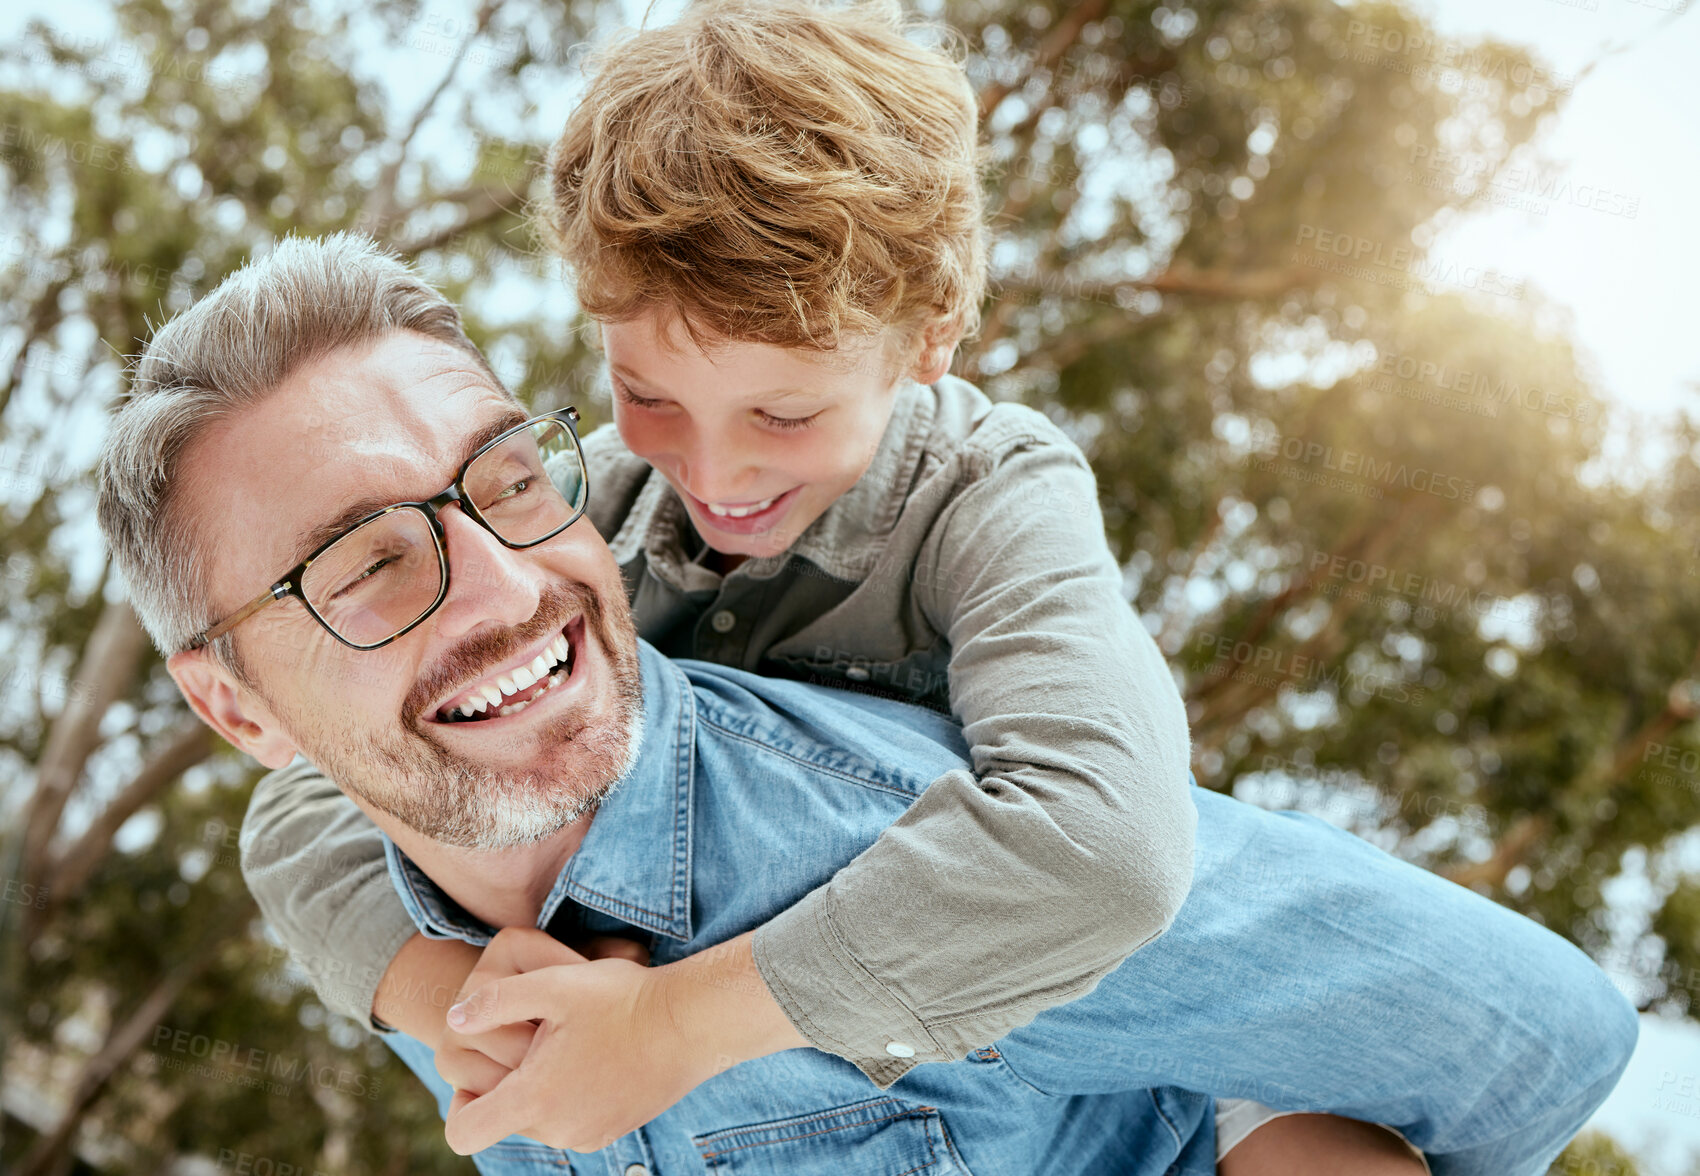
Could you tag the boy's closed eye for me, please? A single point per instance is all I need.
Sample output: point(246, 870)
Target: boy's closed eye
point(633, 400)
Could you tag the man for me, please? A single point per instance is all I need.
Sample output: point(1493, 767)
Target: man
point(616, 791)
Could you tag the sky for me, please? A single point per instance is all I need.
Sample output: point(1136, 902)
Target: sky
point(1631, 126)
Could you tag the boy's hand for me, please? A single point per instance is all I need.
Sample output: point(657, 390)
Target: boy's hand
point(474, 1065)
point(614, 1046)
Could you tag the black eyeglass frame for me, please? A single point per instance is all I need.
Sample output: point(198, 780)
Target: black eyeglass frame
point(290, 583)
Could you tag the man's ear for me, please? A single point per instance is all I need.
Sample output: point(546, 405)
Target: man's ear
point(937, 345)
point(230, 708)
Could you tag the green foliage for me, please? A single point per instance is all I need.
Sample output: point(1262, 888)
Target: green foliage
point(1385, 483)
point(1594, 1154)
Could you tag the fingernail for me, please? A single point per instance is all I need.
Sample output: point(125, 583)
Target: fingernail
point(457, 1014)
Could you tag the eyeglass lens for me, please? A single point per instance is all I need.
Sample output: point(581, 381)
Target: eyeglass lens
point(385, 574)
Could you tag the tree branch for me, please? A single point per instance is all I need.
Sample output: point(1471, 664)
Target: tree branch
point(482, 206)
point(1049, 52)
point(43, 316)
point(187, 746)
point(105, 672)
point(380, 206)
point(1520, 837)
point(51, 1147)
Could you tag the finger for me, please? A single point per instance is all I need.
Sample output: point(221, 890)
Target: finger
point(460, 1099)
point(525, 997)
point(615, 947)
point(489, 1118)
point(506, 1046)
point(524, 949)
point(469, 1069)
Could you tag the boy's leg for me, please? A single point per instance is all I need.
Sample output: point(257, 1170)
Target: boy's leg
point(1309, 971)
point(1320, 1145)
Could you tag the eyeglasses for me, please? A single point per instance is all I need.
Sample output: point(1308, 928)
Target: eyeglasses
point(390, 570)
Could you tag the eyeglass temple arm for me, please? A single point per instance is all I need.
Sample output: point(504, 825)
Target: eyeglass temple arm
point(276, 592)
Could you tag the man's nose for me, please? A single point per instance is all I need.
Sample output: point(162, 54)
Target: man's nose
point(487, 580)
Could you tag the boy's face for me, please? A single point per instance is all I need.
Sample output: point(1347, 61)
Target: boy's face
point(757, 440)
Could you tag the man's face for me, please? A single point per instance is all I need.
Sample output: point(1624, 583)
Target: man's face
point(393, 421)
point(757, 440)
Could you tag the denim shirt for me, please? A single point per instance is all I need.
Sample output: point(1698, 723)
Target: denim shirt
point(747, 793)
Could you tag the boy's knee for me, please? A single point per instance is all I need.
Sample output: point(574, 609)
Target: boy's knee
point(1619, 1026)
point(1591, 1033)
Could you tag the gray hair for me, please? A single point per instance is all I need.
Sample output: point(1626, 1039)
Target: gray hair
point(227, 353)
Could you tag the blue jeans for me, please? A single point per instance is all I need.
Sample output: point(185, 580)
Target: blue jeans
point(1307, 970)
point(1311, 971)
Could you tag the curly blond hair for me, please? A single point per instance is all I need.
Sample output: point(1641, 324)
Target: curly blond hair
point(777, 172)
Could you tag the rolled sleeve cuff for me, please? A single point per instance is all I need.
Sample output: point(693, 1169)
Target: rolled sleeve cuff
point(834, 1001)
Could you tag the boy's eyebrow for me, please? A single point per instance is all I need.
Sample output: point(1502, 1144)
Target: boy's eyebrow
point(310, 539)
point(775, 394)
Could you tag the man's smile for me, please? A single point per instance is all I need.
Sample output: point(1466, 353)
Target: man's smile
point(535, 682)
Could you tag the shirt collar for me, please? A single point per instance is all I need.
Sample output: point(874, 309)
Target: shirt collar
point(635, 860)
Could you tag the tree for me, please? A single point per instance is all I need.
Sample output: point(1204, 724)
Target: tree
point(1357, 483)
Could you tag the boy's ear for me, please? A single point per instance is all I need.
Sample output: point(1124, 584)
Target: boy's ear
point(937, 347)
point(230, 708)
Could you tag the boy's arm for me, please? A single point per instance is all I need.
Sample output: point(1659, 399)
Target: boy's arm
point(993, 899)
point(315, 864)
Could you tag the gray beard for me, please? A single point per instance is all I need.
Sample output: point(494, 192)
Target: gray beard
point(441, 794)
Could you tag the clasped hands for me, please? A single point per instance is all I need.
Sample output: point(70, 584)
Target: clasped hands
point(575, 1050)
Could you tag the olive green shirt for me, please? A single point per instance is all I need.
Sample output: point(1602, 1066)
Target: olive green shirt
point(968, 571)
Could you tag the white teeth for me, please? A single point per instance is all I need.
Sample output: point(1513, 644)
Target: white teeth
point(739, 512)
point(484, 697)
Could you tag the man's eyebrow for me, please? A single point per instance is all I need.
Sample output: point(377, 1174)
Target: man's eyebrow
point(311, 539)
point(775, 394)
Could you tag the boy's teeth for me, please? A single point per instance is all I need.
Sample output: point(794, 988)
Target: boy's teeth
point(738, 512)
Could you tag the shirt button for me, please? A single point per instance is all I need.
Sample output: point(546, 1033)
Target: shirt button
point(636, 1170)
point(723, 621)
point(899, 1049)
point(857, 673)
